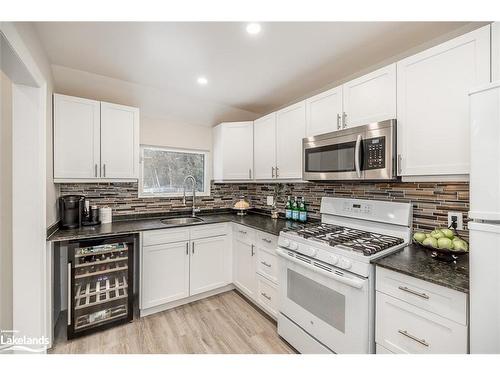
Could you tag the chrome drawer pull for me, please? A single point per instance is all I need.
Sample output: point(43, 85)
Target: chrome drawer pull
point(267, 240)
point(242, 232)
point(265, 264)
point(410, 336)
point(265, 296)
point(421, 295)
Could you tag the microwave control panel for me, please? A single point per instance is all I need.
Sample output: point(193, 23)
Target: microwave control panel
point(374, 153)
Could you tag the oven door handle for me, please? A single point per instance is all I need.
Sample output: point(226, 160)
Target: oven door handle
point(357, 152)
point(358, 284)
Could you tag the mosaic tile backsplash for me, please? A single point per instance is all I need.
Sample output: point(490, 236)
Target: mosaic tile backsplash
point(431, 201)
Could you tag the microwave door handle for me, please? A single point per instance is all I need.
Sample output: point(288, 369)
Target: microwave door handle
point(357, 152)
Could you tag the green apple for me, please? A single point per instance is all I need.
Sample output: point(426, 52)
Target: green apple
point(430, 241)
point(460, 245)
point(448, 233)
point(419, 236)
point(445, 243)
point(436, 233)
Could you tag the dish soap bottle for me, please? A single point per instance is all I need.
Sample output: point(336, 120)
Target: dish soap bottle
point(295, 209)
point(288, 209)
point(302, 211)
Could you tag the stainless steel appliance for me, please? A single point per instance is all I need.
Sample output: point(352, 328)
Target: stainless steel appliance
point(365, 152)
point(71, 208)
point(100, 283)
point(326, 280)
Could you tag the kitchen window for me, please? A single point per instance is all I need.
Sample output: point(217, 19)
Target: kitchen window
point(163, 171)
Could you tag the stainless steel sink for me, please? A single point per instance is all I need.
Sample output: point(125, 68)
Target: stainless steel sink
point(181, 220)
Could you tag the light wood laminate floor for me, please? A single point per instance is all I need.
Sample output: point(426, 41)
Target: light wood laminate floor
point(225, 323)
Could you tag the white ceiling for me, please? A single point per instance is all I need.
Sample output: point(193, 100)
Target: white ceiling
point(155, 65)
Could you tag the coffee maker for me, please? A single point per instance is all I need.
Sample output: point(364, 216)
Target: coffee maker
point(71, 209)
point(75, 211)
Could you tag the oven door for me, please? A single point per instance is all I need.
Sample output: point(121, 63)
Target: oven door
point(333, 156)
point(329, 304)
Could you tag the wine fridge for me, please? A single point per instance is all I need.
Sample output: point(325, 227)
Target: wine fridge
point(100, 283)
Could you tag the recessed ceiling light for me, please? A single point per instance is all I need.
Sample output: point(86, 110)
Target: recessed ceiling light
point(202, 81)
point(253, 28)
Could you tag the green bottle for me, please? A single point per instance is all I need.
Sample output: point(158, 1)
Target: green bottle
point(288, 209)
point(302, 211)
point(295, 209)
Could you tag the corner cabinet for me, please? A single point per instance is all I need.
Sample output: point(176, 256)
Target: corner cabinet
point(433, 105)
point(94, 140)
point(233, 151)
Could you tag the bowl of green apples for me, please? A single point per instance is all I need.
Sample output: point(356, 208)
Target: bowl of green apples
point(444, 243)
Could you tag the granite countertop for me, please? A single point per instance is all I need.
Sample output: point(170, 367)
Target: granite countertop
point(415, 261)
point(140, 223)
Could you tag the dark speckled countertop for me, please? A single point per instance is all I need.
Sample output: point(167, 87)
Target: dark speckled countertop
point(256, 220)
point(415, 261)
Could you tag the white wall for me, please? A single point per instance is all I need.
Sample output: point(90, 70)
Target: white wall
point(32, 42)
point(5, 202)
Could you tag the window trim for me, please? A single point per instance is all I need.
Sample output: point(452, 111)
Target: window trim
point(206, 183)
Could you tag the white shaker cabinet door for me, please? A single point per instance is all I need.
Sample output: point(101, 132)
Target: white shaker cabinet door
point(290, 130)
point(433, 104)
point(244, 267)
point(324, 112)
point(165, 273)
point(119, 141)
point(495, 51)
point(76, 137)
point(233, 151)
point(210, 268)
point(264, 131)
point(370, 98)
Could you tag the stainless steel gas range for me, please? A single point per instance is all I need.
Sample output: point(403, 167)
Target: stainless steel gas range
point(327, 283)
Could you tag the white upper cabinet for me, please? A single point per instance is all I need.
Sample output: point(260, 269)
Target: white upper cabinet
point(233, 151)
point(76, 137)
point(324, 112)
point(290, 130)
point(370, 98)
point(94, 140)
point(433, 106)
point(264, 132)
point(495, 51)
point(119, 141)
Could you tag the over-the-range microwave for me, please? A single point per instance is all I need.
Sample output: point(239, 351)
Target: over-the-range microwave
point(366, 152)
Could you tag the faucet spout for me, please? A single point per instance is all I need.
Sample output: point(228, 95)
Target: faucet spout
point(193, 180)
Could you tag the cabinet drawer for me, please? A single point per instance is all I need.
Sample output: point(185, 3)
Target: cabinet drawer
point(403, 328)
point(266, 240)
point(379, 349)
point(267, 264)
point(243, 233)
point(208, 230)
point(434, 298)
point(161, 236)
point(267, 296)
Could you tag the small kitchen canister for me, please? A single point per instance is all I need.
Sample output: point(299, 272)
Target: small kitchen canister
point(105, 215)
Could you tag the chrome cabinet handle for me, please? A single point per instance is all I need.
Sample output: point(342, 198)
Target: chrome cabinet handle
point(272, 172)
point(400, 159)
point(69, 293)
point(104, 169)
point(408, 290)
point(344, 120)
point(414, 338)
point(357, 152)
point(265, 296)
point(265, 264)
point(192, 247)
point(338, 121)
point(95, 169)
point(187, 248)
point(249, 172)
point(277, 172)
point(267, 240)
point(242, 231)
point(253, 251)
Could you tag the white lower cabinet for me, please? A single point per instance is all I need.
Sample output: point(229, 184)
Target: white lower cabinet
point(244, 267)
point(267, 296)
point(209, 264)
point(417, 317)
point(165, 273)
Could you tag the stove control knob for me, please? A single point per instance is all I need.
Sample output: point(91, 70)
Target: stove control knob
point(312, 252)
point(285, 243)
point(345, 263)
point(293, 246)
point(334, 259)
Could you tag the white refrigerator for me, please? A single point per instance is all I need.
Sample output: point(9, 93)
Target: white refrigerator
point(484, 229)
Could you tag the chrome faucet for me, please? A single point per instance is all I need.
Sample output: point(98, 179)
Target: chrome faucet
point(189, 177)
